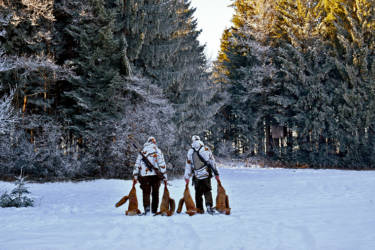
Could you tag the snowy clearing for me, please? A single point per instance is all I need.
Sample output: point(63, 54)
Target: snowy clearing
point(271, 209)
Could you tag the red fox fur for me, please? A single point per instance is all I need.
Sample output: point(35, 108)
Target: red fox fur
point(167, 205)
point(189, 203)
point(133, 202)
point(222, 200)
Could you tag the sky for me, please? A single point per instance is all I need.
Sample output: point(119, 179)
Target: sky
point(213, 17)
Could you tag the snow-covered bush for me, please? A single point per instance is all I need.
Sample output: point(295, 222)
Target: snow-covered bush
point(18, 196)
point(43, 155)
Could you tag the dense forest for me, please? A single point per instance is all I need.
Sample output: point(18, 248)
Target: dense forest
point(300, 76)
point(81, 82)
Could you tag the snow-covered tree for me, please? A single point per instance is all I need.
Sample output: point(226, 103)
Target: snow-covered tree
point(147, 112)
point(18, 197)
point(88, 73)
point(304, 68)
point(245, 68)
point(8, 116)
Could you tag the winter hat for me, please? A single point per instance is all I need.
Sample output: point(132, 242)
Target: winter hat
point(197, 144)
point(151, 139)
point(195, 138)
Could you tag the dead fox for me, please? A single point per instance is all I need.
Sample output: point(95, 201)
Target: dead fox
point(167, 205)
point(222, 200)
point(189, 203)
point(133, 202)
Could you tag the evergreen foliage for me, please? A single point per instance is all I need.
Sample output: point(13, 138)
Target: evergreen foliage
point(190, 90)
point(301, 82)
point(294, 81)
point(18, 197)
point(247, 70)
point(87, 74)
point(92, 94)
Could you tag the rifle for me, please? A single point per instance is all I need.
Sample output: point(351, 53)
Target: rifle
point(149, 164)
point(205, 162)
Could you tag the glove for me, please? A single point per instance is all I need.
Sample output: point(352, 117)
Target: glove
point(187, 181)
point(217, 178)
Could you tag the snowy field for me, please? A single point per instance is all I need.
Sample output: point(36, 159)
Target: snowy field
point(271, 209)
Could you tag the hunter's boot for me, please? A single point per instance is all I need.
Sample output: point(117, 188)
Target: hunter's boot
point(200, 211)
point(210, 210)
point(147, 211)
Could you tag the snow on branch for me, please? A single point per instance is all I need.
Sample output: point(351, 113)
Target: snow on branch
point(150, 115)
point(144, 88)
point(7, 113)
point(30, 64)
point(36, 10)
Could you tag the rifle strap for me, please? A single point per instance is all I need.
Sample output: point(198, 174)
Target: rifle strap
point(205, 164)
point(151, 167)
point(204, 161)
point(148, 164)
point(199, 155)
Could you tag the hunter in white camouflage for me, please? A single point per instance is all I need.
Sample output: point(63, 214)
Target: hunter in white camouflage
point(145, 170)
point(201, 165)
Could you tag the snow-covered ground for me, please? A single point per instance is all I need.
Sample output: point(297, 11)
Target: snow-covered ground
point(271, 209)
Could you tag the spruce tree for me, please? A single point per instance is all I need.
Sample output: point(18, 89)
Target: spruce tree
point(160, 44)
point(26, 39)
point(190, 91)
point(19, 195)
point(305, 67)
point(92, 93)
point(355, 65)
point(246, 51)
point(89, 101)
point(82, 68)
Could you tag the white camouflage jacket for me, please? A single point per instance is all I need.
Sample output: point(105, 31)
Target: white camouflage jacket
point(195, 169)
point(156, 158)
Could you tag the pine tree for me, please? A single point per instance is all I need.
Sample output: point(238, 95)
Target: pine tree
point(18, 196)
point(160, 44)
point(307, 101)
point(89, 102)
point(77, 65)
point(328, 11)
point(190, 91)
point(355, 65)
point(26, 39)
point(172, 57)
point(26, 27)
point(245, 48)
point(92, 93)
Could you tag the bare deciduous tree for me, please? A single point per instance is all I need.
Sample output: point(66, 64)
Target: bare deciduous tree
point(8, 116)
